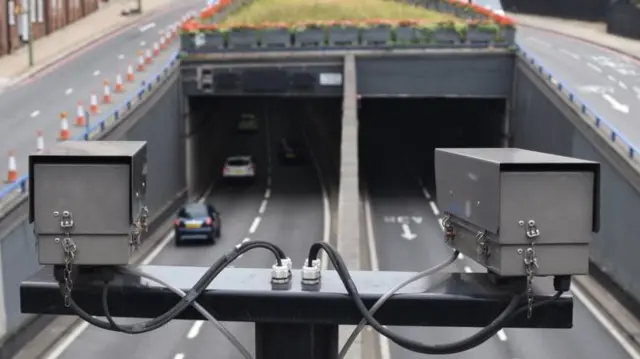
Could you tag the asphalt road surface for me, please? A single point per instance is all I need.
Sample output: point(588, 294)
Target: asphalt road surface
point(398, 195)
point(607, 81)
point(37, 104)
point(284, 206)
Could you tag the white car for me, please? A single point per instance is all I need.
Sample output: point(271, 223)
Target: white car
point(248, 123)
point(239, 167)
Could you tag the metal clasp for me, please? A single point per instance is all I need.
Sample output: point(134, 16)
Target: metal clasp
point(67, 220)
point(531, 230)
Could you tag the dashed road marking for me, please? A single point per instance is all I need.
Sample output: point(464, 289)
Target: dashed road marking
point(267, 193)
point(69, 91)
point(263, 206)
point(594, 67)
point(502, 335)
point(254, 225)
point(195, 329)
point(179, 356)
point(35, 113)
point(96, 73)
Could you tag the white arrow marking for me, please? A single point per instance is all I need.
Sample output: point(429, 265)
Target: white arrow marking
point(406, 233)
point(418, 220)
point(615, 104)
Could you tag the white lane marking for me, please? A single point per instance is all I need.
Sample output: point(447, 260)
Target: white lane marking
point(570, 54)
point(611, 78)
point(254, 225)
point(383, 342)
point(594, 67)
point(35, 113)
point(267, 193)
point(263, 206)
point(146, 27)
point(605, 322)
point(502, 335)
point(68, 91)
point(96, 73)
point(461, 256)
point(434, 208)
point(538, 41)
point(195, 329)
point(75, 332)
point(179, 356)
point(615, 104)
point(467, 269)
point(120, 57)
point(246, 240)
point(623, 85)
point(143, 43)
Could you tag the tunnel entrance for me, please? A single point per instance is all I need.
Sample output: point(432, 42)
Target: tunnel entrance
point(397, 138)
point(266, 163)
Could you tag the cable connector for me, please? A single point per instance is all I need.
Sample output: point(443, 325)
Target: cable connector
point(311, 274)
point(280, 274)
point(287, 262)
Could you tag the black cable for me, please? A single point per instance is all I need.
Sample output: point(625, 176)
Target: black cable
point(185, 302)
point(468, 343)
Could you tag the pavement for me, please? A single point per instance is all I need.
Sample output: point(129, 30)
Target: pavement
point(284, 206)
point(42, 94)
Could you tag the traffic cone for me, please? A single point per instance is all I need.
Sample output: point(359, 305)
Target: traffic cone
point(130, 75)
point(140, 61)
point(93, 106)
point(40, 142)
point(156, 49)
point(148, 58)
point(12, 174)
point(119, 85)
point(163, 43)
point(81, 120)
point(65, 134)
point(106, 96)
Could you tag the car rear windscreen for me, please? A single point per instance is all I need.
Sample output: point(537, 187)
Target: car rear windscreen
point(194, 212)
point(237, 162)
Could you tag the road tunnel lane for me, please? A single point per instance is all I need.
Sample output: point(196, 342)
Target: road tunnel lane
point(402, 213)
point(284, 206)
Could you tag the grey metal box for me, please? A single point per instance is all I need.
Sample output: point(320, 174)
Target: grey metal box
point(102, 185)
point(502, 201)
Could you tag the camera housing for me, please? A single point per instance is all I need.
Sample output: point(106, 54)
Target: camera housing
point(512, 210)
point(91, 192)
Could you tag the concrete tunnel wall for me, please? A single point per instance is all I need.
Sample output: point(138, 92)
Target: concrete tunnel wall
point(153, 121)
point(541, 120)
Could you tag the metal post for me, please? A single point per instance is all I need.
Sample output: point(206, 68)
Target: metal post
point(30, 26)
point(308, 341)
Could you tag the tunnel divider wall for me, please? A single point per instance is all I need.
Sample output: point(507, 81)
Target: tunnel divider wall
point(349, 189)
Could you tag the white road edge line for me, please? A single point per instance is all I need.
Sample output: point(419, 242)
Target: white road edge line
point(195, 329)
point(594, 67)
point(326, 207)
point(385, 352)
point(78, 329)
point(267, 193)
point(605, 322)
point(179, 356)
point(602, 318)
point(502, 335)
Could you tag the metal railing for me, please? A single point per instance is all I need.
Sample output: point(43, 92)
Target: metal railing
point(603, 127)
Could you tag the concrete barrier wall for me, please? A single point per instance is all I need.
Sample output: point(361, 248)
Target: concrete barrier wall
point(154, 121)
point(589, 10)
point(542, 120)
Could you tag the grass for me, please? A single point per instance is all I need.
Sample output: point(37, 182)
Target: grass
point(297, 11)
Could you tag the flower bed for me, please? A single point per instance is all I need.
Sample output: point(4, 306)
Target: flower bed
point(472, 26)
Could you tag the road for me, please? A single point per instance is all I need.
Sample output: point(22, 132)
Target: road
point(607, 81)
point(37, 104)
point(399, 195)
point(284, 207)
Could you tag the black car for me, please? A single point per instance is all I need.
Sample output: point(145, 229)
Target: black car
point(291, 150)
point(197, 222)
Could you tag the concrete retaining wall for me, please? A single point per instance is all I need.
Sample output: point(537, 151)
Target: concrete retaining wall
point(153, 121)
point(542, 120)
